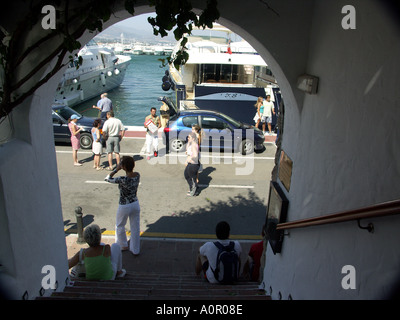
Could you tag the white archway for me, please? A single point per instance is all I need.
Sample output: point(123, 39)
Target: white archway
point(30, 155)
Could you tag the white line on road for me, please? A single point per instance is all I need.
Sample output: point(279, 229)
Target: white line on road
point(225, 186)
point(200, 185)
point(91, 181)
point(182, 155)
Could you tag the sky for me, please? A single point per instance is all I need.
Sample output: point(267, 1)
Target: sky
point(137, 26)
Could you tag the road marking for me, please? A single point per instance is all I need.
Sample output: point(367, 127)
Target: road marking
point(225, 186)
point(211, 155)
point(200, 185)
point(89, 181)
point(102, 181)
point(90, 152)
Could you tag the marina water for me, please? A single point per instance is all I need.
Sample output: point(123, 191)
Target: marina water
point(138, 92)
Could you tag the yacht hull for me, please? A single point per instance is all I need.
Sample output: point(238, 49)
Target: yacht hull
point(91, 85)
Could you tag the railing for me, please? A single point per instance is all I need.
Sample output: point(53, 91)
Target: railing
point(378, 210)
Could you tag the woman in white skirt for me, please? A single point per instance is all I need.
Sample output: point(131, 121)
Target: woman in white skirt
point(97, 147)
point(128, 205)
point(260, 110)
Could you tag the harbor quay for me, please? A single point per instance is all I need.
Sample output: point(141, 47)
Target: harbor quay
point(166, 210)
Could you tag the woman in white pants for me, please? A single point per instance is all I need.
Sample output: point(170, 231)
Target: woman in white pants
point(128, 205)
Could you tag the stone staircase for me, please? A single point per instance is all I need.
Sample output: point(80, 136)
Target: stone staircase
point(154, 286)
point(164, 270)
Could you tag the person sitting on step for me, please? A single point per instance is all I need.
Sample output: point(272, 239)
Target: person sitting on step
point(101, 261)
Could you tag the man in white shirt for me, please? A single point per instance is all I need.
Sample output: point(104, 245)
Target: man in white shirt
point(207, 258)
point(115, 131)
point(268, 111)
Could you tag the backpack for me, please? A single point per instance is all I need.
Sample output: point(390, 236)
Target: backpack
point(227, 266)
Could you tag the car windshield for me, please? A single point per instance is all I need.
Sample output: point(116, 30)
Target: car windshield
point(66, 112)
point(231, 120)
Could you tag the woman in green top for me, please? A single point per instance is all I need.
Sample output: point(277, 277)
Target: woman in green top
point(102, 262)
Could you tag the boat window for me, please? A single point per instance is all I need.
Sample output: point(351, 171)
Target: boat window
point(212, 123)
point(190, 121)
point(209, 73)
point(219, 73)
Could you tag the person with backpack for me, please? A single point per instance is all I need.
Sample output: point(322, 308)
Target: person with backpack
point(220, 260)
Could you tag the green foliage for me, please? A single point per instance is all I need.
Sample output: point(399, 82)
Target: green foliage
point(179, 14)
point(73, 19)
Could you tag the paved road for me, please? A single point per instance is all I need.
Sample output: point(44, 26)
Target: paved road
point(232, 189)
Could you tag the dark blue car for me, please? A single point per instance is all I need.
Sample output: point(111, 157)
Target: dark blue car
point(219, 132)
point(61, 114)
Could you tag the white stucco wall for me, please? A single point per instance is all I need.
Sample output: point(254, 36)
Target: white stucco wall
point(32, 233)
point(346, 156)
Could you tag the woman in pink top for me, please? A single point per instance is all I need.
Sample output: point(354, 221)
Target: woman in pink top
point(75, 137)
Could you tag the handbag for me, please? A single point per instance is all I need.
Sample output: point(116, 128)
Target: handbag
point(79, 270)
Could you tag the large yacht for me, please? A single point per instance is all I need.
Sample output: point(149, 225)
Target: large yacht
point(101, 70)
point(222, 75)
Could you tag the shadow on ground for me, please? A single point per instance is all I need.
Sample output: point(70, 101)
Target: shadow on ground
point(245, 213)
point(71, 227)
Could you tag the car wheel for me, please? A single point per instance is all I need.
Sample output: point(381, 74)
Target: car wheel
point(247, 146)
point(86, 140)
point(176, 145)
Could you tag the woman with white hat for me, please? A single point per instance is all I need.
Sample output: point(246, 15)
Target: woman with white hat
point(75, 138)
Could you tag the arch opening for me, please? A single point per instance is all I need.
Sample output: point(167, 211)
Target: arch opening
point(40, 145)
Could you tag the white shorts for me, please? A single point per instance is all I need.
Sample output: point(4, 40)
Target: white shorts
point(97, 147)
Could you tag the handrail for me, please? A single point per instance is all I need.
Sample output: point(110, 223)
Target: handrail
point(378, 210)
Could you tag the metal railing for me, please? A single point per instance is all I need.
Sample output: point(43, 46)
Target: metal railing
point(378, 210)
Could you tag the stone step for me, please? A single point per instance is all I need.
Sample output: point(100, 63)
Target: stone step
point(152, 286)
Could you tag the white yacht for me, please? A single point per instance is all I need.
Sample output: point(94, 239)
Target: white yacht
point(158, 50)
point(149, 50)
point(137, 49)
point(101, 70)
point(221, 75)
